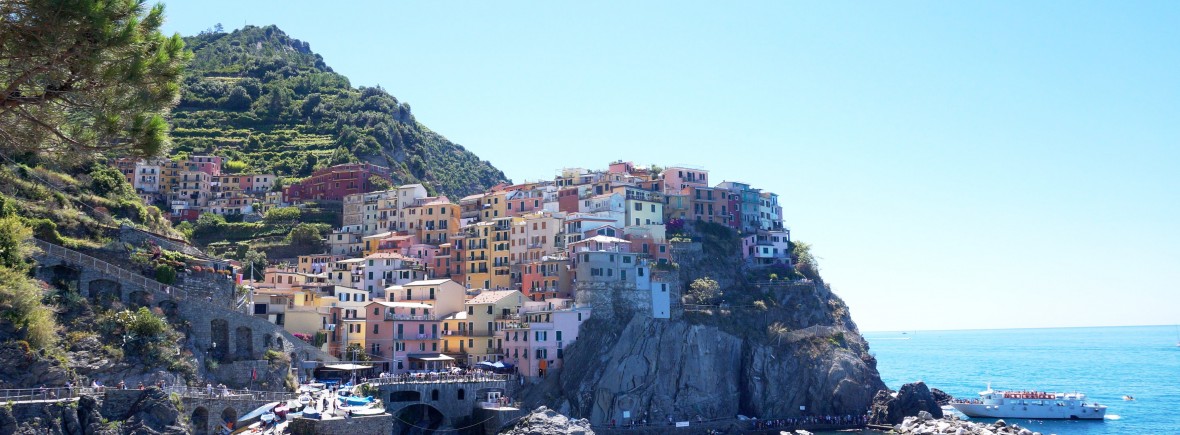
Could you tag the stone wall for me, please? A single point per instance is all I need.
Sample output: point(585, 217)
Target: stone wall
point(367, 424)
point(238, 336)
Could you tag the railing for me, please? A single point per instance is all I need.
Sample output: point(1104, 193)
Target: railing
point(435, 378)
point(227, 394)
point(391, 316)
point(427, 336)
point(107, 268)
point(31, 394)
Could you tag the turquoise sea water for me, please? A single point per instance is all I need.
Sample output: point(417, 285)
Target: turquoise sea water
point(1105, 363)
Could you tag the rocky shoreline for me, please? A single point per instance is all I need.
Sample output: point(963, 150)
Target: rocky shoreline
point(926, 424)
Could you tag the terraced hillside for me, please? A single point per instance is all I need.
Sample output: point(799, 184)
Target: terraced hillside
point(269, 104)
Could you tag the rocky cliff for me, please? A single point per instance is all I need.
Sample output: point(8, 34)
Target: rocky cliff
point(769, 350)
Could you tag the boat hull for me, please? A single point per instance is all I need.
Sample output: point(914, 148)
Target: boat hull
point(1037, 412)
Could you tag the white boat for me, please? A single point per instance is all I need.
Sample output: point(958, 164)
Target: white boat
point(1031, 404)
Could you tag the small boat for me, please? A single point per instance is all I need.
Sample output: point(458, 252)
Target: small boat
point(1128, 398)
point(1031, 404)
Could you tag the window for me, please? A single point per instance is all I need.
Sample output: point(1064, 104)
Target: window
point(375, 325)
point(558, 335)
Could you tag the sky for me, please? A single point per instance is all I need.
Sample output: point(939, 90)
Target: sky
point(955, 165)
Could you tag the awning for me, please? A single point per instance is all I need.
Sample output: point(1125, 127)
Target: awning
point(431, 357)
point(348, 367)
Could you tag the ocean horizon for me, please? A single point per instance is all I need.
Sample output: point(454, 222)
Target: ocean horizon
point(1103, 362)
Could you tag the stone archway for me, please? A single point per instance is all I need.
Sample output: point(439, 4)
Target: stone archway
point(140, 298)
point(170, 308)
point(200, 421)
point(104, 292)
point(419, 415)
point(229, 415)
point(63, 277)
point(219, 337)
point(243, 343)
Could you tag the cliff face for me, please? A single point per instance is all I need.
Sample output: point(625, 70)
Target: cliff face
point(716, 364)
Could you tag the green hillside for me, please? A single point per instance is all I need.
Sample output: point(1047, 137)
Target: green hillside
point(267, 102)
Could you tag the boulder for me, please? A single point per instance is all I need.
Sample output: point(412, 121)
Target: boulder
point(890, 409)
point(544, 421)
point(941, 397)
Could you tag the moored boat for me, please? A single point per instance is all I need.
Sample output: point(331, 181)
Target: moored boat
point(1031, 404)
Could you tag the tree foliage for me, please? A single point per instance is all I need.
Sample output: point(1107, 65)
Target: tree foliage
point(86, 75)
point(20, 297)
point(308, 235)
point(254, 263)
point(704, 290)
point(283, 214)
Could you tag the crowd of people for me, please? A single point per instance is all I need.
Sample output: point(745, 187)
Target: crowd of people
point(455, 375)
point(821, 420)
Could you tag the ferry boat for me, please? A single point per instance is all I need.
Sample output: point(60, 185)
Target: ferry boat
point(1031, 404)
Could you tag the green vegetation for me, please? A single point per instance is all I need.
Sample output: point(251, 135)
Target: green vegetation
point(86, 76)
point(282, 215)
point(268, 104)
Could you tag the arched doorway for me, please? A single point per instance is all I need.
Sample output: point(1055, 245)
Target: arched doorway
point(200, 421)
point(140, 298)
point(104, 292)
point(228, 415)
point(170, 309)
point(416, 419)
point(63, 277)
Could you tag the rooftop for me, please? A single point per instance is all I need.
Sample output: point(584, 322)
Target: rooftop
point(491, 296)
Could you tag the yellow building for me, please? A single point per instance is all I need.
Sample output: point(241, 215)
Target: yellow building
point(486, 314)
point(435, 220)
point(500, 244)
point(476, 255)
point(495, 205)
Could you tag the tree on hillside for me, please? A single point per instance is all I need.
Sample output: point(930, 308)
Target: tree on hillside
point(704, 290)
point(308, 235)
point(85, 76)
point(254, 263)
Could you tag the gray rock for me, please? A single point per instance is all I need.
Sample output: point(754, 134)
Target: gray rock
point(544, 421)
point(912, 399)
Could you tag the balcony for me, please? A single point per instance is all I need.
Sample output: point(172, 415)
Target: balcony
point(419, 317)
point(460, 333)
point(426, 336)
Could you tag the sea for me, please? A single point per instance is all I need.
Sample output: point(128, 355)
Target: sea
point(1105, 363)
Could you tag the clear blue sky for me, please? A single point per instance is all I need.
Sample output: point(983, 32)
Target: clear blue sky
point(955, 164)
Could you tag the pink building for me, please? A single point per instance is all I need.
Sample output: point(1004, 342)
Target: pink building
point(676, 178)
point(208, 164)
point(537, 342)
point(417, 336)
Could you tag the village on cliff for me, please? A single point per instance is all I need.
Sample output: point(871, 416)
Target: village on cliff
point(412, 282)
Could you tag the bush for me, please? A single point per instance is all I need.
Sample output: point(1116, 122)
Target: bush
point(704, 290)
point(46, 230)
point(282, 215)
point(165, 274)
point(20, 305)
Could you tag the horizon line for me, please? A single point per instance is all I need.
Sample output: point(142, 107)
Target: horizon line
point(1009, 329)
